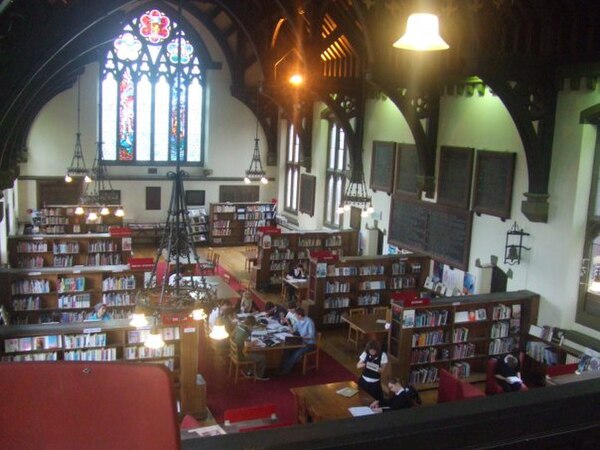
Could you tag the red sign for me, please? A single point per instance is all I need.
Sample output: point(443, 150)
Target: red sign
point(141, 263)
point(119, 231)
point(324, 255)
point(269, 230)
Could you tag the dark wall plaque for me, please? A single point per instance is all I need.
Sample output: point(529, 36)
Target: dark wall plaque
point(407, 168)
point(243, 194)
point(494, 173)
point(440, 231)
point(57, 192)
point(110, 196)
point(195, 197)
point(455, 174)
point(383, 161)
point(355, 218)
point(308, 187)
point(152, 197)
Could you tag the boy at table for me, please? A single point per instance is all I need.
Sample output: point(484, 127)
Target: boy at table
point(242, 333)
point(400, 397)
point(304, 327)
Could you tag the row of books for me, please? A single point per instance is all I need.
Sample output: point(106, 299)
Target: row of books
point(71, 284)
point(423, 375)
point(139, 336)
point(463, 350)
point(84, 340)
point(32, 247)
point(118, 283)
point(460, 369)
point(371, 270)
point(542, 352)
point(29, 343)
point(31, 286)
point(282, 255)
point(118, 299)
point(63, 261)
point(104, 259)
point(142, 352)
point(332, 287)
point(371, 285)
point(61, 248)
point(336, 302)
point(334, 316)
point(96, 354)
point(27, 303)
point(74, 301)
point(221, 232)
point(47, 356)
point(31, 262)
point(369, 299)
point(500, 346)
point(403, 282)
point(428, 355)
point(431, 318)
point(434, 337)
point(333, 271)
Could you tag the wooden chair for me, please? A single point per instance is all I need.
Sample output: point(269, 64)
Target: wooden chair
point(314, 355)
point(251, 253)
point(210, 267)
point(234, 360)
point(353, 333)
point(379, 310)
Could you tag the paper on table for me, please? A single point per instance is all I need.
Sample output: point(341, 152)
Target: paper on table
point(512, 380)
point(347, 391)
point(259, 333)
point(358, 411)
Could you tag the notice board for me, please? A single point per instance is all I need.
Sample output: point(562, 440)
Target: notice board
point(454, 181)
point(407, 169)
point(440, 231)
point(308, 187)
point(492, 193)
point(383, 161)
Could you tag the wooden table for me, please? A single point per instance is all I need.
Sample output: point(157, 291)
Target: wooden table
point(572, 377)
point(371, 325)
point(322, 402)
point(250, 258)
point(295, 288)
point(224, 290)
point(273, 354)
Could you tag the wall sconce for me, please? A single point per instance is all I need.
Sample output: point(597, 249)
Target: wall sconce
point(514, 245)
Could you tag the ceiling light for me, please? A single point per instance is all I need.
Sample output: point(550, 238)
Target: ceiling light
point(422, 34)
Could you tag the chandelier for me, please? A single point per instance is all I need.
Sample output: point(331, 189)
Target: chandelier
point(77, 167)
point(95, 194)
point(256, 172)
point(180, 295)
point(356, 194)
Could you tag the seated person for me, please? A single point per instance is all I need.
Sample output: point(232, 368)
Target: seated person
point(240, 336)
point(297, 272)
point(290, 317)
point(304, 327)
point(275, 311)
point(508, 373)
point(217, 312)
point(100, 312)
point(400, 397)
point(247, 304)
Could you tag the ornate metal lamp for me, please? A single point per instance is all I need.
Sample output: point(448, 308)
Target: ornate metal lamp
point(77, 167)
point(514, 245)
point(256, 172)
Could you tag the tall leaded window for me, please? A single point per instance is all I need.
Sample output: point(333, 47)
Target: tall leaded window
point(335, 177)
point(292, 170)
point(141, 111)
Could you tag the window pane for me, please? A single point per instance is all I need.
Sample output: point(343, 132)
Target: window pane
point(126, 118)
point(332, 147)
point(296, 148)
point(341, 159)
point(109, 118)
point(194, 121)
point(288, 188)
point(329, 203)
point(339, 187)
point(144, 119)
point(290, 149)
point(161, 121)
point(295, 189)
point(177, 122)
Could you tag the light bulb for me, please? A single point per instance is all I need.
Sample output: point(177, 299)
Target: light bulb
point(138, 320)
point(79, 211)
point(87, 179)
point(119, 212)
point(68, 178)
point(422, 34)
point(104, 211)
point(264, 180)
point(246, 180)
point(296, 79)
point(92, 215)
point(154, 339)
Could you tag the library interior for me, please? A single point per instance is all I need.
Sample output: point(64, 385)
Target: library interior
point(302, 224)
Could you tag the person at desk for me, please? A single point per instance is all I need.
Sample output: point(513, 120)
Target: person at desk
point(219, 311)
point(508, 373)
point(100, 312)
point(373, 362)
point(297, 272)
point(247, 304)
point(304, 327)
point(400, 397)
point(275, 311)
point(241, 335)
point(290, 318)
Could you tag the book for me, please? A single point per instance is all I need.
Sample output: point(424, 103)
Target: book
point(481, 314)
point(347, 391)
point(51, 342)
point(461, 316)
point(358, 411)
point(408, 318)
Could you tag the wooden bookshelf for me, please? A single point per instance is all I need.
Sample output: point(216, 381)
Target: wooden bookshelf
point(67, 250)
point(61, 219)
point(67, 295)
point(459, 334)
point(289, 248)
point(113, 340)
point(360, 282)
point(238, 223)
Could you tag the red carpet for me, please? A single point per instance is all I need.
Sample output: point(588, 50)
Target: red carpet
point(223, 394)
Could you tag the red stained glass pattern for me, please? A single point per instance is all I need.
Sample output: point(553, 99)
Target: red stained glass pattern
point(155, 26)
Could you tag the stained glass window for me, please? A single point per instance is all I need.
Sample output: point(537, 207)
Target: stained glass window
point(152, 94)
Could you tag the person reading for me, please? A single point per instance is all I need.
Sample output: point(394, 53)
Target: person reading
point(100, 312)
point(304, 327)
point(400, 397)
point(297, 272)
point(508, 373)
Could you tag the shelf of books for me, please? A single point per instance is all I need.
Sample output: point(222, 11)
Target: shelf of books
point(108, 341)
point(61, 219)
point(458, 334)
point(238, 223)
point(68, 250)
point(199, 224)
point(338, 284)
point(278, 252)
point(67, 295)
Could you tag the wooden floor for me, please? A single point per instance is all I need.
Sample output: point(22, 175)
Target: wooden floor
point(334, 340)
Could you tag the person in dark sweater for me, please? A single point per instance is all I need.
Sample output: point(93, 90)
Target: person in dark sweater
point(508, 373)
point(400, 397)
point(373, 362)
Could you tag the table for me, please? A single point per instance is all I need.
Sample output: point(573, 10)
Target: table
point(250, 256)
point(322, 402)
point(372, 325)
point(224, 290)
point(557, 380)
point(274, 353)
point(295, 288)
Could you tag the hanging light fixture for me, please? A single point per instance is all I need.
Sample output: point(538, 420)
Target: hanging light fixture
point(183, 295)
point(514, 245)
point(356, 194)
point(256, 171)
point(77, 167)
point(422, 34)
point(219, 332)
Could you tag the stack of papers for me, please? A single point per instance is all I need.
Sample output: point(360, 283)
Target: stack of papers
point(358, 411)
point(347, 391)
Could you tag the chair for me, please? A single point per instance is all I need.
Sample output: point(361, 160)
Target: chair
point(210, 267)
point(234, 360)
point(251, 253)
point(314, 355)
point(379, 310)
point(353, 333)
point(492, 387)
point(106, 406)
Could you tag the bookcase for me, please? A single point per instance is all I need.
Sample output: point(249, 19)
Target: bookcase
point(287, 249)
point(67, 250)
point(61, 219)
point(199, 224)
point(110, 341)
point(238, 223)
point(360, 281)
point(458, 334)
point(67, 295)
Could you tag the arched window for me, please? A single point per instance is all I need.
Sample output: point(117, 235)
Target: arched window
point(140, 108)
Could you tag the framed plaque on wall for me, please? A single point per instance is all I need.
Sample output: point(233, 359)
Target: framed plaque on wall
point(492, 192)
point(455, 174)
point(407, 168)
point(383, 161)
point(308, 185)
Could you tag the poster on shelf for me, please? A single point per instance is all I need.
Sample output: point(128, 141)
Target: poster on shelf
point(408, 318)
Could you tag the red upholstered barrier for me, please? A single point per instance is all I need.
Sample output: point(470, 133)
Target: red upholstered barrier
point(561, 369)
point(87, 405)
point(452, 389)
point(266, 427)
point(264, 411)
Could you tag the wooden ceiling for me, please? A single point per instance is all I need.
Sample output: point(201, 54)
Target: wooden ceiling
point(523, 50)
